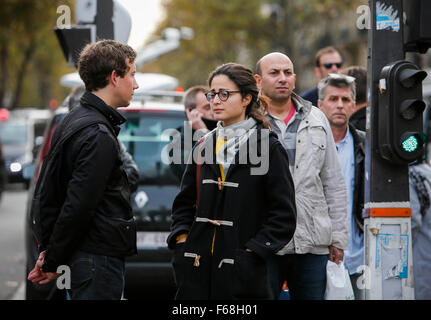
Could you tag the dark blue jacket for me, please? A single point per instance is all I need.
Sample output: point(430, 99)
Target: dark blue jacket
point(311, 95)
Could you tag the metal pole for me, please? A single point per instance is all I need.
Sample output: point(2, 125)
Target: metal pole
point(387, 231)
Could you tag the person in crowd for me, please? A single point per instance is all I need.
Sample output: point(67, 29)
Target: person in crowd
point(200, 118)
point(82, 213)
point(358, 117)
point(320, 191)
point(198, 109)
point(129, 164)
point(337, 94)
point(228, 219)
point(327, 60)
point(420, 191)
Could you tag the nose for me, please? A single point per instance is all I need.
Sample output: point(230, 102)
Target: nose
point(334, 69)
point(216, 99)
point(282, 78)
point(135, 85)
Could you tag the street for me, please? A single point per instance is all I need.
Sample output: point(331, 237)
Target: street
point(12, 247)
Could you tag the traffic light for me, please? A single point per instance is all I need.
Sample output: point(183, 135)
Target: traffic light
point(417, 27)
point(400, 127)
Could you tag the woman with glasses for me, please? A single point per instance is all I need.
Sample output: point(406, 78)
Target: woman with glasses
point(236, 208)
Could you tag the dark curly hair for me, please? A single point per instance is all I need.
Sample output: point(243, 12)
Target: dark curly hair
point(98, 60)
point(246, 83)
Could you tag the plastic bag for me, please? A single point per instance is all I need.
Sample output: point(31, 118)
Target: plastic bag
point(338, 285)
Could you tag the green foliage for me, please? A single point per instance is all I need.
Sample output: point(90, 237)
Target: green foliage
point(31, 61)
point(241, 31)
point(224, 31)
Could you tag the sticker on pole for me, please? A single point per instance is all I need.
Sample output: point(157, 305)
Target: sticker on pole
point(386, 17)
point(392, 255)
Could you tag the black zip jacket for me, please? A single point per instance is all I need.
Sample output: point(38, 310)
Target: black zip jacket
point(92, 192)
point(358, 192)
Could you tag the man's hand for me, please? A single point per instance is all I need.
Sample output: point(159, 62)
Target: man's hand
point(37, 275)
point(195, 118)
point(335, 255)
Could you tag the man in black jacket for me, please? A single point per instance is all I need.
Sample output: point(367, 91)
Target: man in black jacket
point(327, 60)
point(129, 164)
point(84, 219)
point(337, 100)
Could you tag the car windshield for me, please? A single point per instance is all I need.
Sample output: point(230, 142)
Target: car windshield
point(145, 137)
point(13, 133)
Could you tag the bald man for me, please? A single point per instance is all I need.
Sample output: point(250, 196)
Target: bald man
point(320, 191)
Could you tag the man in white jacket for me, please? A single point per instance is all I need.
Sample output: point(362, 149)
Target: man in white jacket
point(320, 191)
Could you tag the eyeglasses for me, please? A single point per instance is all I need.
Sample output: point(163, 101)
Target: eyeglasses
point(223, 95)
point(330, 64)
point(336, 76)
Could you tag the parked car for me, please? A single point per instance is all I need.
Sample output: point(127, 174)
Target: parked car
point(145, 137)
point(22, 133)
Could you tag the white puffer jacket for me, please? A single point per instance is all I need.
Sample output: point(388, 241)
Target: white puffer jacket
point(321, 194)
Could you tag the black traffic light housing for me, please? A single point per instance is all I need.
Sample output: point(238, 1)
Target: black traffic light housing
point(400, 128)
point(417, 27)
point(72, 41)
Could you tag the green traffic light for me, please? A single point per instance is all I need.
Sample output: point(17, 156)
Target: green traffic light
point(410, 144)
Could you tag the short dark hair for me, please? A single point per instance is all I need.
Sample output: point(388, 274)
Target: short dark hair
point(98, 60)
point(360, 74)
point(323, 51)
point(190, 96)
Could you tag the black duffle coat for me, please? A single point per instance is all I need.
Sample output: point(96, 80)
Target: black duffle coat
point(256, 212)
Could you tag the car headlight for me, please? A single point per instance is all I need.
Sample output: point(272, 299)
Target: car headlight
point(15, 167)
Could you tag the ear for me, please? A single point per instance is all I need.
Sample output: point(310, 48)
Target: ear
point(319, 104)
point(317, 72)
point(113, 78)
point(247, 100)
point(258, 81)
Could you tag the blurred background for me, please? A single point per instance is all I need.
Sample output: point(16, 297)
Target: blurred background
point(31, 61)
point(32, 65)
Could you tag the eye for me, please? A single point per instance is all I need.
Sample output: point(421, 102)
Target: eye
point(224, 94)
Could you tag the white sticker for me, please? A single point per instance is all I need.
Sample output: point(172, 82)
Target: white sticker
point(387, 18)
point(141, 199)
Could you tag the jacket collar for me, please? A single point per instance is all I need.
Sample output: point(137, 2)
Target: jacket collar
point(91, 100)
point(301, 105)
point(358, 141)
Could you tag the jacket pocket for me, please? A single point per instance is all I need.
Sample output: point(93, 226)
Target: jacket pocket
point(318, 143)
point(322, 224)
point(249, 277)
point(122, 234)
